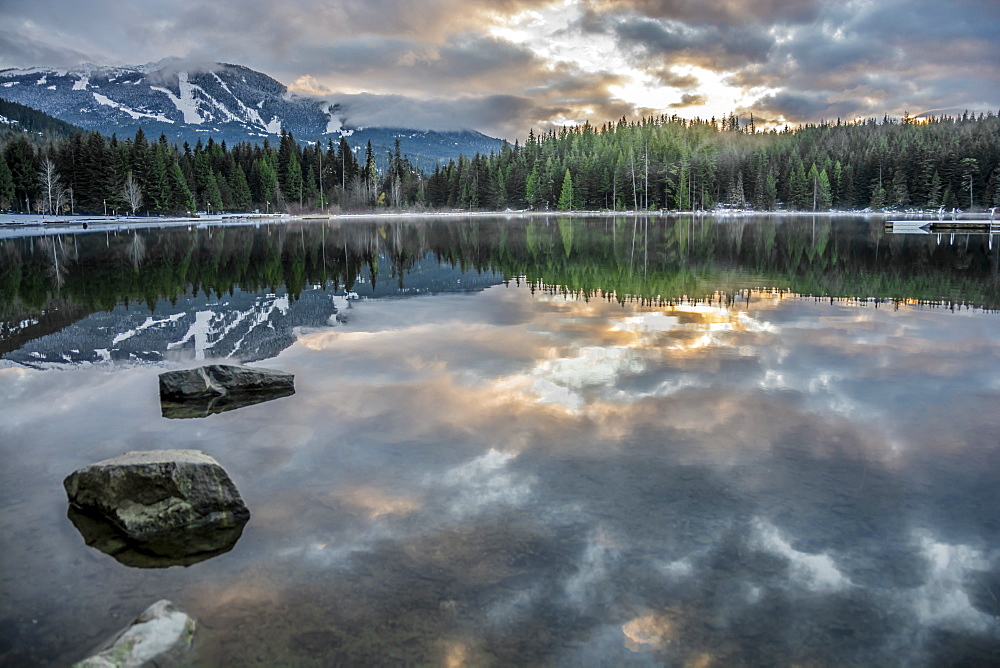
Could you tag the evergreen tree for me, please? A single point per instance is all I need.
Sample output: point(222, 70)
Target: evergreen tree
point(182, 200)
point(6, 185)
point(824, 196)
point(566, 193)
point(23, 165)
point(242, 200)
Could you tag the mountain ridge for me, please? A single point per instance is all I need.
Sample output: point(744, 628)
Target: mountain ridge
point(228, 102)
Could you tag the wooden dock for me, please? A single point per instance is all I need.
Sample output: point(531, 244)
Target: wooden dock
point(943, 226)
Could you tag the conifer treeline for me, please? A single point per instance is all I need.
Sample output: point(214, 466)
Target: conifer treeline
point(88, 173)
point(657, 163)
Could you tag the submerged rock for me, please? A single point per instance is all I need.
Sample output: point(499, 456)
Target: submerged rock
point(176, 504)
point(216, 388)
point(160, 636)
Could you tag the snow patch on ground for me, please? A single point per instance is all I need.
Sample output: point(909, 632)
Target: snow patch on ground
point(186, 103)
point(274, 127)
point(108, 102)
point(250, 115)
point(81, 83)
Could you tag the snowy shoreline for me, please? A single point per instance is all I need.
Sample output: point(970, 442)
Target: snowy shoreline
point(20, 225)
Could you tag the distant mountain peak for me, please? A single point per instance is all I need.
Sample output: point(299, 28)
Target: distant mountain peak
point(189, 100)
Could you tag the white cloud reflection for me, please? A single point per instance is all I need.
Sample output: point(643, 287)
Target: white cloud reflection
point(629, 459)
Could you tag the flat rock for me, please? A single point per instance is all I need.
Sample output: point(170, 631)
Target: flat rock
point(216, 380)
point(160, 636)
point(162, 501)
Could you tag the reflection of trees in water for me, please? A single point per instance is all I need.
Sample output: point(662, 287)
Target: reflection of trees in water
point(135, 250)
point(652, 259)
point(60, 254)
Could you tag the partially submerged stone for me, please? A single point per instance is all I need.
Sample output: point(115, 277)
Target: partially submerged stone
point(160, 636)
point(215, 388)
point(172, 503)
point(215, 380)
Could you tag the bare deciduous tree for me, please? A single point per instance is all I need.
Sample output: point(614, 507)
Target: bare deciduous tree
point(52, 191)
point(132, 192)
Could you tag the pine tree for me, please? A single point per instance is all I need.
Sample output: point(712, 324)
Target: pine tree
point(21, 161)
point(532, 189)
point(6, 185)
point(824, 196)
point(182, 200)
point(566, 193)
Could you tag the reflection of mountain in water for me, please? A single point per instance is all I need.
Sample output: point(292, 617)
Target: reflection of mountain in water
point(244, 325)
point(256, 283)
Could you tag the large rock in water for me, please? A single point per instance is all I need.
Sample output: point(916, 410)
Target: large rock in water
point(160, 636)
point(216, 380)
point(174, 503)
point(203, 391)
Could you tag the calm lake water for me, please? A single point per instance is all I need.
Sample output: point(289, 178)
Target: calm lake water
point(596, 441)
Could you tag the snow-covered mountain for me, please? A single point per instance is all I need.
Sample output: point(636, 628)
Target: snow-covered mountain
point(227, 102)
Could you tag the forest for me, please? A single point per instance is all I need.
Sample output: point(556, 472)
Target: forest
point(655, 163)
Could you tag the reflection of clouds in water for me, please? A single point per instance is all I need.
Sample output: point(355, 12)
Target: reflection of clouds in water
point(943, 601)
point(647, 322)
point(677, 568)
point(649, 632)
point(376, 503)
point(589, 584)
point(483, 483)
point(815, 572)
point(563, 380)
point(626, 345)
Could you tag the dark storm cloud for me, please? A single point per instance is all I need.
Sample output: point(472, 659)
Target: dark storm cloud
point(800, 105)
point(719, 12)
point(710, 46)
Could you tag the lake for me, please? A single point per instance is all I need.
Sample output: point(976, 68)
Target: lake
point(680, 440)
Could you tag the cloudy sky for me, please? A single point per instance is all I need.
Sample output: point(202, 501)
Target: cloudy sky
point(503, 66)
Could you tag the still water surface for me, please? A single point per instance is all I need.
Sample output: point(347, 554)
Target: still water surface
point(572, 442)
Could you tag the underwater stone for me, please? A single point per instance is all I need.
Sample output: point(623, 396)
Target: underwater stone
point(160, 636)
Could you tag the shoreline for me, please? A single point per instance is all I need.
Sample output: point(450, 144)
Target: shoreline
point(20, 225)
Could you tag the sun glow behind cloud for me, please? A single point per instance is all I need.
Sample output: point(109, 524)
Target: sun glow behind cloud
point(553, 35)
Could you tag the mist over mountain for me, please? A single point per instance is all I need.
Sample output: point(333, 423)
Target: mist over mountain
point(188, 101)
